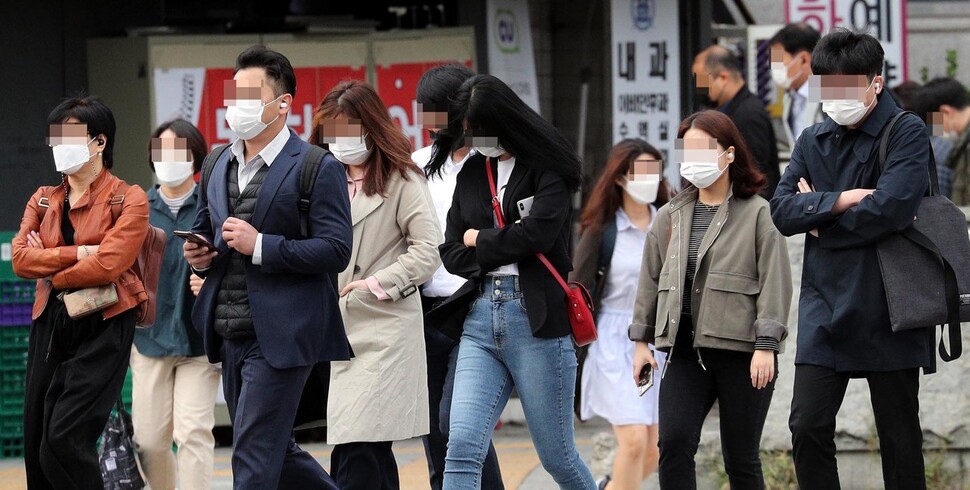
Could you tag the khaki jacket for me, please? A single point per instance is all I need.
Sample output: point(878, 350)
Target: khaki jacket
point(56, 265)
point(742, 286)
point(382, 393)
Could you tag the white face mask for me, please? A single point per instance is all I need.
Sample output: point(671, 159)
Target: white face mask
point(703, 173)
point(173, 173)
point(350, 150)
point(779, 74)
point(68, 159)
point(847, 112)
point(644, 190)
point(245, 118)
point(490, 151)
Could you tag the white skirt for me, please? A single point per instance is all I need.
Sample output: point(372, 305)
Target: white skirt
point(608, 388)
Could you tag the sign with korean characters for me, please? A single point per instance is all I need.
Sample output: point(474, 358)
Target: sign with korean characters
point(884, 19)
point(646, 74)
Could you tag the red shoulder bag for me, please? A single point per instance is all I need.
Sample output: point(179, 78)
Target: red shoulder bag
point(579, 303)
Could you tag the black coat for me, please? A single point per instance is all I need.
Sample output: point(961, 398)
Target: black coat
point(545, 230)
point(749, 115)
point(843, 317)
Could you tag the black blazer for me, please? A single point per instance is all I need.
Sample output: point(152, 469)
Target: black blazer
point(750, 116)
point(545, 230)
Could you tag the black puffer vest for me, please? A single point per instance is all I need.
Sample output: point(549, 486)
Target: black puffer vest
point(233, 318)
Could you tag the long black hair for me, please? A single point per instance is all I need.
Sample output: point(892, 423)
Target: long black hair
point(486, 106)
point(436, 89)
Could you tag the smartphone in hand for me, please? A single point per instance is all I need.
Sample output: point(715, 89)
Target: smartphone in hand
point(194, 238)
point(645, 380)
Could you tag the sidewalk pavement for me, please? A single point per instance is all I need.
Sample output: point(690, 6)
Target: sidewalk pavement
point(520, 464)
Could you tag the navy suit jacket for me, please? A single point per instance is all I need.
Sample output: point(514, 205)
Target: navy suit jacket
point(291, 297)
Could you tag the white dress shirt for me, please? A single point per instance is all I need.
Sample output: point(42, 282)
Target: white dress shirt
point(246, 171)
point(620, 291)
point(443, 283)
point(504, 172)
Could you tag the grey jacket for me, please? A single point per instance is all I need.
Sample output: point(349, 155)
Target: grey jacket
point(742, 285)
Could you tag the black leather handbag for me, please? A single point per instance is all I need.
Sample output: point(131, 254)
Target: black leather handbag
point(926, 267)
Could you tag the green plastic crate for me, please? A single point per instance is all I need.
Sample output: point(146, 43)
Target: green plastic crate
point(6, 253)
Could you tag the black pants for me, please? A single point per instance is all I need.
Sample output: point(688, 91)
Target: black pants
point(687, 394)
point(262, 402)
point(75, 372)
point(816, 400)
point(442, 354)
point(364, 466)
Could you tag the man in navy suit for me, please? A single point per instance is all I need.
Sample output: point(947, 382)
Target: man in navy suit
point(268, 308)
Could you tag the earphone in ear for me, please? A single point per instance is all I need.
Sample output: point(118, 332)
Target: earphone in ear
point(877, 85)
point(100, 141)
point(283, 105)
point(731, 155)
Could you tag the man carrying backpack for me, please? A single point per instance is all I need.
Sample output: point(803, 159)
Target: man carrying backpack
point(268, 308)
point(835, 192)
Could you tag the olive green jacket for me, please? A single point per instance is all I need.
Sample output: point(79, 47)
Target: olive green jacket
point(742, 285)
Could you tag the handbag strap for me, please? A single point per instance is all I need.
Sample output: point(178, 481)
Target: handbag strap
point(497, 208)
point(952, 296)
point(884, 149)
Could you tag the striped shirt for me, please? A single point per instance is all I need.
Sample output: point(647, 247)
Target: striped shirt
point(703, 216)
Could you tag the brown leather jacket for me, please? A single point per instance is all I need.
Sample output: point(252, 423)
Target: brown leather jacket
point(56, 265)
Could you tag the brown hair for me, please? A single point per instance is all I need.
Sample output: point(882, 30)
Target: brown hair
point(356, 99)
point(607, 195)
point(746, 179)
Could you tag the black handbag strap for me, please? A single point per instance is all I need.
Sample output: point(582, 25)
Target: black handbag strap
point(952, 292)
point(606, 256)
point(884, 149)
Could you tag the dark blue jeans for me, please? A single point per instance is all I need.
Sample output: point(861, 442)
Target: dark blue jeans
point(442, 357)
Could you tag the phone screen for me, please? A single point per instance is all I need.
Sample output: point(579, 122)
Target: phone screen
point(645, 380)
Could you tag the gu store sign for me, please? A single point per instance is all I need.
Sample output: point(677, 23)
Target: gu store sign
point(645, 44)
point(884, 19)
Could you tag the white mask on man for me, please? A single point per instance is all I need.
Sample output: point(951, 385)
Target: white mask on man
point(848, 112)
point(245, 118)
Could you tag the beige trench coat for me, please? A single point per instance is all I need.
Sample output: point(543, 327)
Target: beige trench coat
point(382, 393)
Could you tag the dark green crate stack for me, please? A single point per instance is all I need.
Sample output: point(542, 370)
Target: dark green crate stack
point(16, 299)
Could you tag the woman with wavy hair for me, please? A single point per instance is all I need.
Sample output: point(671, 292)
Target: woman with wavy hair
point(613, 230)
point(381, 395)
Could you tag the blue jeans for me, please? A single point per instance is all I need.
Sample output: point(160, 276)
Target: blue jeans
point(497, 351)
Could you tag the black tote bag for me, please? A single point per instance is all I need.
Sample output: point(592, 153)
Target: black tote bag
point(926, 267)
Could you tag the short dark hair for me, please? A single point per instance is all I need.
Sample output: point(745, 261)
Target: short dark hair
point(91, 111)
point(746, 179)
point(436, 88)
point(279, 71)
point(940, 91)
point(796, 38)
point(192, 135)
point(844, 52)
point(720, 59)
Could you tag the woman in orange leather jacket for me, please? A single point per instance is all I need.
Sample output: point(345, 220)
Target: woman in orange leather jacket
point(69, 239)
